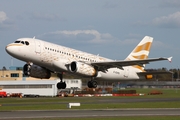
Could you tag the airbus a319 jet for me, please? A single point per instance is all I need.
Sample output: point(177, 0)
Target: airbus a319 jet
point(43, 58)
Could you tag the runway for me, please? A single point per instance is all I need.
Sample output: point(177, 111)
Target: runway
point(89, 113)
point(84, 113)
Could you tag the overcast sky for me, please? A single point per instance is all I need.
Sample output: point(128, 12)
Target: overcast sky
point(110, 28)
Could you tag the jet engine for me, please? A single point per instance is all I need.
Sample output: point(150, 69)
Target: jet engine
point(36, 71)
point(83, 69)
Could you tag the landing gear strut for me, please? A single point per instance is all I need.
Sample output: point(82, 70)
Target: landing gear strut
point(92, 84)
point(61, 84)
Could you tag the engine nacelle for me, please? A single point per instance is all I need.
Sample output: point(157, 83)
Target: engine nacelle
point(83, 69)
point(36, 71)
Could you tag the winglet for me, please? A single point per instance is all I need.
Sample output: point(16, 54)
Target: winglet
point(169, 59)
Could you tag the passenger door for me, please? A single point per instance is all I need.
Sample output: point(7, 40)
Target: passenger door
point(38, 46)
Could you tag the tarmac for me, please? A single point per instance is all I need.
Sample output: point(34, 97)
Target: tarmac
point(82, 113)
point(89, 113)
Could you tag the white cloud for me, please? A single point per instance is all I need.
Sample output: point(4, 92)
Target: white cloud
point(3, 16)
point(159, 44)
point(46, 16)
point(170, 3)
point(129, 41)
point(110, 4)
point(90, 36)
point(5, 22)
point(97, 37)
point(170, 21)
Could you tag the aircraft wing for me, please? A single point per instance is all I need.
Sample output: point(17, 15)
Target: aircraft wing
point(103, 66)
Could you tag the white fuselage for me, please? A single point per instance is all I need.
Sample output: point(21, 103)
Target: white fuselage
point(49, 55)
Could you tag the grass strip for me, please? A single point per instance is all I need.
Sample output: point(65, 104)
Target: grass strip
point(113, 118)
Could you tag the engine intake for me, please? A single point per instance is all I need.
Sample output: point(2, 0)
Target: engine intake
point(82, 68)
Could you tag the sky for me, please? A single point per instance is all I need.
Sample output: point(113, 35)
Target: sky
point(110, 28)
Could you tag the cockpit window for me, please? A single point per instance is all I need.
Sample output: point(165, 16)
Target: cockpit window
point(17, 41)
point(22, 42)
point(26, 42)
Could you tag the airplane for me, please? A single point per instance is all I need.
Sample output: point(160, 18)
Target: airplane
point(43, 58)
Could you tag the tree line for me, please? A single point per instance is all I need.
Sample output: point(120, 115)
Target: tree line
point(172, 74)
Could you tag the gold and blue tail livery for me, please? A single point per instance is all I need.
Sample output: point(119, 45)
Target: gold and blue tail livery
point(141, 51)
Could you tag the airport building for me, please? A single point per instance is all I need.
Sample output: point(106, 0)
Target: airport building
point(38, 87)
point(16, 73)
point(12, 81)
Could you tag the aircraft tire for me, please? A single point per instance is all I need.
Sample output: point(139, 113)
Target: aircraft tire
point(61, 85)
point(58, 85)
point(92, 84)
point(89, 84)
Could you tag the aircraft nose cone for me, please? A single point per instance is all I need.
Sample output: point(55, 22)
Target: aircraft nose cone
point(9, 49)
point(16, 50)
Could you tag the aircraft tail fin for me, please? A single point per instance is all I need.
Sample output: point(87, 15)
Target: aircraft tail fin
point(141, 51)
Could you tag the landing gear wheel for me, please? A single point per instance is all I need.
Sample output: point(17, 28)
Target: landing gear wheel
point(92, 84)
point(61, 85)
point(89, 84)
point(58, 85)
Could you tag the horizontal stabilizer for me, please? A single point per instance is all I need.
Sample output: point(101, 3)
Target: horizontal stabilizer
point(154, 72)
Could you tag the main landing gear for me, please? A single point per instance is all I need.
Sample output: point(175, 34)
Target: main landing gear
point(61, 84)
point(92, 84)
